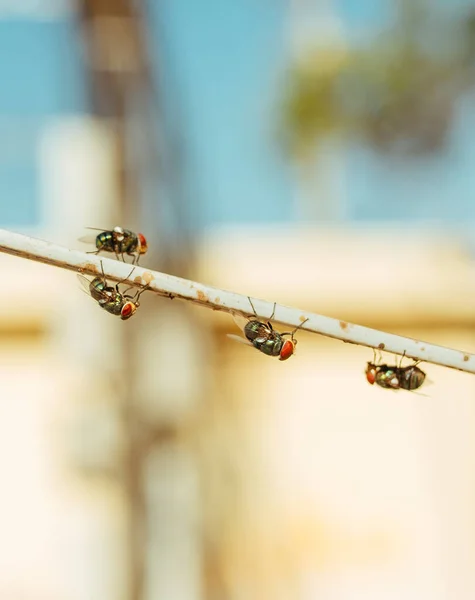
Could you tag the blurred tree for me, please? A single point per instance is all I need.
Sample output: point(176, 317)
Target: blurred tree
point(398, 93)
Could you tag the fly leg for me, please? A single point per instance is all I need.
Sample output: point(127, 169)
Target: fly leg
point(255, 314)
point(117, 250)
point(135, 298)
point(140, 292)
point(271, 317)
point(103, 274)
point(401, 359)
point(122, 281)
point(252, 306)
point(292, 333)
point(146, 287)
point(273, 312)
point(134, 257)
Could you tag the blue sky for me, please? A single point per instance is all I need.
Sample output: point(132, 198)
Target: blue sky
point(221, 65)
point(225, 63)
point(41, 78)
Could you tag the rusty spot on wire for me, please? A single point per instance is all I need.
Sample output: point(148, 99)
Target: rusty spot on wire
point(202, 297)
point(90, 267)
point(343, 325)
point(381, 346)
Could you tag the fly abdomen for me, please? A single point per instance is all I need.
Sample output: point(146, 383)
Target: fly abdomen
point(105, 241)
point(130, 243)
point(411, 378)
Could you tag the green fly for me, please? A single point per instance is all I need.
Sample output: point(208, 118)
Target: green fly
point(119, 241)
point(110, 298)
point(395, 377)
point(262, 336)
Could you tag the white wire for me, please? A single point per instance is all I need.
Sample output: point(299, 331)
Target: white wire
point(217, 299)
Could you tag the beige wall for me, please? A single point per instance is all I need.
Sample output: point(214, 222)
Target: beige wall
point(314, 484)
point(345, 490)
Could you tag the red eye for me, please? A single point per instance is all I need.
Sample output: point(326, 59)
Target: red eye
point(287, 350)
point(143, 243)
point(371, 373)
point(127, 311)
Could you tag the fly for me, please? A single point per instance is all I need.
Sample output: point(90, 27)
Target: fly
point(110, 298)
point(264, 337)
point(395, 377)
point(119, 241)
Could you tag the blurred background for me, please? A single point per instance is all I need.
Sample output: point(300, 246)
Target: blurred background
point(317, 153)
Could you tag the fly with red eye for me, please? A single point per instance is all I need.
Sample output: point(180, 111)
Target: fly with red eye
point(119, 241)
point(131, 303)
point(111, 299)
point(262, 336)
point(395, 377)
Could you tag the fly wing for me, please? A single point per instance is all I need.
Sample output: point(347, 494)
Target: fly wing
point(88, 239)
point(240, 321)
point(427, 382)
point(420, 394)
point(91, 237)
point(99, 295)
point(84, 284)
point(238, 338)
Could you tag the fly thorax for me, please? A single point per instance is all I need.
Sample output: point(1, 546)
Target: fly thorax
point(104, 240)
point(253, 330)
point(413, 378)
